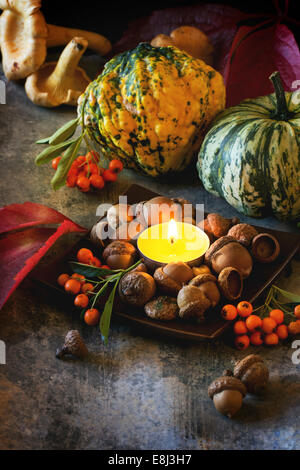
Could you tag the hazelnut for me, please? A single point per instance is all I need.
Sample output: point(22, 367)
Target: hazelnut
point(119, 254)
point(253, 372)
point(231, 283)
point(136, 288)
point(192, 302)
point(227, 394)
point(244, 233)
point(162, 308)
point(73, 345)
point(217, 226)
point(119, 214)
point(226, 251)
point(207, 284)
point(265, 248)
point(171, 277)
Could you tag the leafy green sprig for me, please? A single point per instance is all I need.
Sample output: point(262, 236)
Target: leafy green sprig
point(102, 278)
point(278, 298)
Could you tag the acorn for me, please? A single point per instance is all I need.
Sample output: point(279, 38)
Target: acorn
point(73, 345)
point(207, 283)
point(244, 233)
point(228, 252)
point(227, 393)
point(265, 248)
point(136, 288)
point(192, 303)
point(230, 283)
point(119, 254)
point(171, 277)
point(253, 372)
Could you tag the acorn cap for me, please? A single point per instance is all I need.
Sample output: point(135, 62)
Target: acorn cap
point(201, 278)
point(231, 283)
point(265, 248)
point(242, 365)
point(226, 383)
point(216, 246)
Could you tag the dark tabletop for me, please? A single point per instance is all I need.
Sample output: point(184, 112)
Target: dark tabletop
point(141, 392)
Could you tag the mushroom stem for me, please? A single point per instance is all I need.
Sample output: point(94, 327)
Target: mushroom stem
point(67, 63)
point(58, 36)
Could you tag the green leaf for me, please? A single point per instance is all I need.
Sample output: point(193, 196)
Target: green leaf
point(65, 163)
point(43, 141)
point(288, 295)
point(64, 133)
point(51, 152)
point(90, 271)
point(106, 315)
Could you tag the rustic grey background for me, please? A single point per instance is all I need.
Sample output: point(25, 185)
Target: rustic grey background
point(141, 392)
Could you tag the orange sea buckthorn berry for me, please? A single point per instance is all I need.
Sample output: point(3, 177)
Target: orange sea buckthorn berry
point(72, 286)
point(277, 315)
point(80, 161)
point(268, 325)
point(244, 309)
point(84, 255)
point(91, 169)
point(81, 300)
point(87, 287)
point(83, 183)
point(62, 279)
point(71, 179)
point(92, 156)
point(297, 311)
point(271, 339)
point(104, 266)
point(116, 166)
point(109, 175)
point(55, 162)
point(240, 328)
point(95, 262)
point(97, 181)
point(256, 338)
point(294, 328)
point(78, 277)
point(253, 322)
point(229, 312)
point(92, 316)
point(242, 342)
point(282, 331)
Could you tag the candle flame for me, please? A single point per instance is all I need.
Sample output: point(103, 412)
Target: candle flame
point(172, 231)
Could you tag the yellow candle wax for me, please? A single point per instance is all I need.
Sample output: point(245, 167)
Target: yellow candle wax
point(173, 241)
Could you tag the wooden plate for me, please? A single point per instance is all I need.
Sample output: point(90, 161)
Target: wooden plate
point(261, 277)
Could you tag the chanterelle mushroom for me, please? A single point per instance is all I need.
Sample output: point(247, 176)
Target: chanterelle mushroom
point(23, 34)
point(59, 82)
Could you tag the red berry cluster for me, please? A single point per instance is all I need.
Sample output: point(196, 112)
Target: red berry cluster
point(77, 285)
point(86, 173)
point(251, 329)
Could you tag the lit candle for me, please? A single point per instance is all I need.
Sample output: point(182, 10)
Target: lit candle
point(172, 241)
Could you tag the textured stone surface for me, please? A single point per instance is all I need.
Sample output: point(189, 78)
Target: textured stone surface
point(142, 392)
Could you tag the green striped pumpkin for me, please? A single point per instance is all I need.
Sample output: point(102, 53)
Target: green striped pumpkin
point(251, 155)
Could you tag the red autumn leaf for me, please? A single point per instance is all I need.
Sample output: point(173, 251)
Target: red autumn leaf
point(21, 250)
point(28, 214)
point(219, 22)
point(254, 55)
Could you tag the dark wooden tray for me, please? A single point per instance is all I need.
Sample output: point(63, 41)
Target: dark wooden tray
point(261, 277)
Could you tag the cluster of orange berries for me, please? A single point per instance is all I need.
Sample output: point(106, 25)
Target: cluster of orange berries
point(251, 329)
point(77, 285)
point(86, 173)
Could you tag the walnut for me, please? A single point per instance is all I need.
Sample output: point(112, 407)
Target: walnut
point(244, 233)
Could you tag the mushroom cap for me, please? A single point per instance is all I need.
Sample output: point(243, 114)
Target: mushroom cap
point(253, 372)
point(192, 302)
point(244, 233)
point(23, 34)
point(136, 288)
point(61, 82)
point(226, 383)
point(162, 308)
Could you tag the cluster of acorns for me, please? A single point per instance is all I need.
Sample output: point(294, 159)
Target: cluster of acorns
point(251, 329)
point(250, 375)
point(86, 173)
